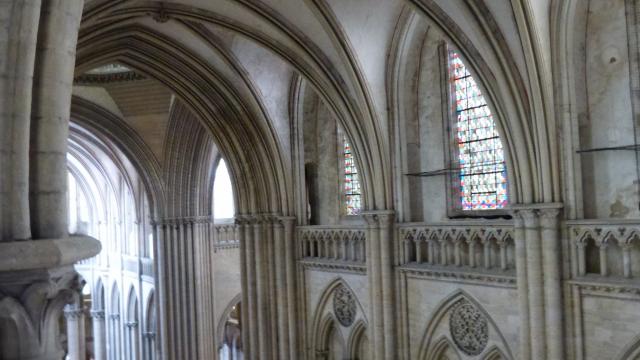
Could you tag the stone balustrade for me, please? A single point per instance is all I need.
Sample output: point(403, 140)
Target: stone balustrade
point(487, 247)
point(332, 243)
point(605, 248)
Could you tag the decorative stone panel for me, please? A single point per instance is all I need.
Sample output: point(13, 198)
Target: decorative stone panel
point(469, 328)
point(344, 306)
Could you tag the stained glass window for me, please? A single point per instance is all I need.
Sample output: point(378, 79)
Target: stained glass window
point(483, 174)
point(351, 181)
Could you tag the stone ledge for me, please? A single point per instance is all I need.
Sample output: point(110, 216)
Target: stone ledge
point(46, 253)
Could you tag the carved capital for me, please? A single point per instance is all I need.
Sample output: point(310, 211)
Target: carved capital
point(73, 313)
point(97, 314)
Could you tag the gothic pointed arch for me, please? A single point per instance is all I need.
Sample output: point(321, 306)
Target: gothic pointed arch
point(444, 349)
point(631, 351)
point(225, 315)
point(339, 304)
point(358, 342)
point(463, 321)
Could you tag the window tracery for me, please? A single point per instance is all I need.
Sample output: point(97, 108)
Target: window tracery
point(352, 190)
point(482, 175)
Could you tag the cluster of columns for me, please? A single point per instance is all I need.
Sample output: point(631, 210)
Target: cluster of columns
point(268, 270)
point(37, 50)
point(380, 271)
point(185, 283)
point(537, 240)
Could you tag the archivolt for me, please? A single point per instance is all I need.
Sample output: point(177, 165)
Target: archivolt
point(245, 138)
point(429, 345)
point(103, 123)
point(351, 110)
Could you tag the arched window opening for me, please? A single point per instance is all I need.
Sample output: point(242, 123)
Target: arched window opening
point(231, 348)
point(482, 180)
point(352, 190)
point(79, 208)
point(223, 202)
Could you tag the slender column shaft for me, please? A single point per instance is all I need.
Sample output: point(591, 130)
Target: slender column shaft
point(388, 286)
point(375, 288)
point(281, 285)
point(244, 269)
point(535, 281)
point(550, 233)
point(99, 336)
point(291, 285)
point(75, 332)
point(523, 286)
point(262, 290)
point(18, 47)
point(53, 81)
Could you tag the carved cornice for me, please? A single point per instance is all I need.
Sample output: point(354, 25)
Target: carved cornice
point(73, 313)
point(97, 314)
point(459, 276)
point(331, 266)
point(98, 79)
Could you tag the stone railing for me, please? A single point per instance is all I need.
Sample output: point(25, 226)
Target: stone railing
point(608, 248)
point(226, 236)
point(335, 243)
point(470, 246)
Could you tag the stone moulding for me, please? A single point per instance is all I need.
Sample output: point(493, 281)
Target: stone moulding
point(459, 276)
point(332, 266)
point(46, 253)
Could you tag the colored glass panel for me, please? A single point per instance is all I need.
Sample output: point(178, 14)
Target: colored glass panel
point(351, 181)
point(483, 174)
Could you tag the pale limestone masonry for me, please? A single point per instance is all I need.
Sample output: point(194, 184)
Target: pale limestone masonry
point(115, 114)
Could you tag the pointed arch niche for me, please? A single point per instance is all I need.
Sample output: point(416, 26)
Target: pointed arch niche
point(479, 338)
point(339, 326)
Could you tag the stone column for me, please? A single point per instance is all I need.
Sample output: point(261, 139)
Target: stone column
point(375, 283)
point(17, 53)
point(537, 240)
point(380, 265)
point(99, 336)
point(76, 346)
point(550, 232)
point(523, 286)
point(51, 110)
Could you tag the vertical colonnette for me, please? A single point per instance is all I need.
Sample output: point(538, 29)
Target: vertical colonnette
point(268, 276)
point(539, 276)
point(99, 334)
point(380, 270)
point(185, 283)
point(37, 50)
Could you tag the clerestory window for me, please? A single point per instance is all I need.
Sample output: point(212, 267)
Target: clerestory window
point(481, 182)
point(352, 190)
